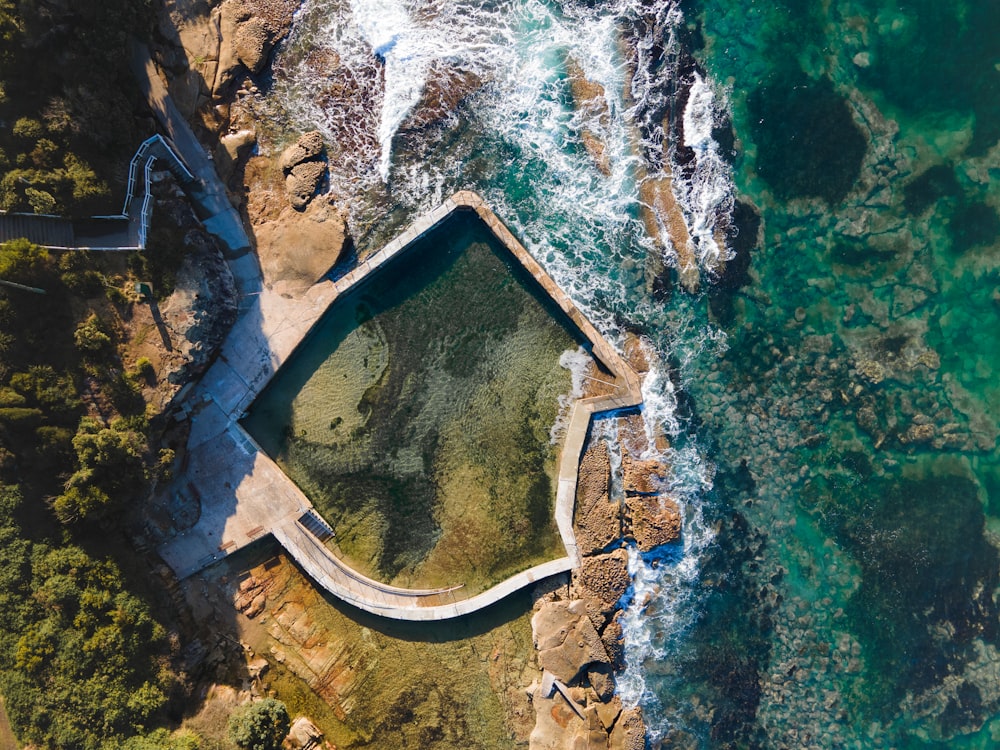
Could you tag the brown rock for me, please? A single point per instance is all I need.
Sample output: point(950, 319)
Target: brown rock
point(594, 476)
point(553, 621)
point(303, 181)
point(231, 149)
point(297, 248)
point(597, 150)
point(655, 520)
point(558, 726)
point(635, 354)
point(566, 639)
point(608, 711)
point(308, 146)
point(599, 527)
point(592, 735)
point(602, 680)
point(659, 208)
point(252, 44)
point(629, 732)
point(614, 643)
point(643, 477)
point(604, 577)
point(256, 606)
point(632, 433)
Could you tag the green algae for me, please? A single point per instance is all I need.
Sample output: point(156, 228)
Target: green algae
point(417, 415)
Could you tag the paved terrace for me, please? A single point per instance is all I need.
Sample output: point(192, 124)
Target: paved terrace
point(244, 495)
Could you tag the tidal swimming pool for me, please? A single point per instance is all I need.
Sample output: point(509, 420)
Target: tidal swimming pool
point(417, 415)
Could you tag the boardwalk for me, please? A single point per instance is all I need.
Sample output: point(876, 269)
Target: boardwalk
point(244, 494)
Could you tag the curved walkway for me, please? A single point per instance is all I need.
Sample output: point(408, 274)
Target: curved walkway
point(244, 495)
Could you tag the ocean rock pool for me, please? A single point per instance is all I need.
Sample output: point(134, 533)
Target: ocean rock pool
point(419, 414)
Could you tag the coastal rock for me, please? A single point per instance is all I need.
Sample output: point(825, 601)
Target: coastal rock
point(636, 355)
point(613, 639)
point(566, 639)
point(643, 477)
point(659, 208)
point(443, 92)
point(629, 732)
point(655, 520)
point(602, 681)
point(252, 44)
point(296, 248)
point(303, 181)
point(590, 100)
point(233, 147)
point(594, 475)
point(609, 711)
point(559, 726)
point(309, 146)
point(598, 519)
point(599, 527)
point(632, 434)
point(605, 577)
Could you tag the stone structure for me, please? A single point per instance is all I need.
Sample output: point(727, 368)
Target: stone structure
point(249, 496)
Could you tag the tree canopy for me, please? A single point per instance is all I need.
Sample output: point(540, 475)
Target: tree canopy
point(261, 725)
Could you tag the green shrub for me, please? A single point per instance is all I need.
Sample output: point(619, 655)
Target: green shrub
point(90, 336)
point(28, 128)
point(261, 725)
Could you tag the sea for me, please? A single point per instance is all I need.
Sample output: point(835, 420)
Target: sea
point(829, 382)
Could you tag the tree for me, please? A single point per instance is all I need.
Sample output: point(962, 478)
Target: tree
point(260, 726)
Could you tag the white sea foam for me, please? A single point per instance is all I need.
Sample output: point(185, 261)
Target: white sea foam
point(709, 193)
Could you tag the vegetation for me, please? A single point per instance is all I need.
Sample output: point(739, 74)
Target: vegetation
point(260, 726)
point(84, 663)
point(66, 89)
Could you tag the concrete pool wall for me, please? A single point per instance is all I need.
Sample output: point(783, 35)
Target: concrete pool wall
point(244, 496)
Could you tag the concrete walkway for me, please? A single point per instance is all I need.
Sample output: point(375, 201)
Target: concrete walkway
point(244, 495)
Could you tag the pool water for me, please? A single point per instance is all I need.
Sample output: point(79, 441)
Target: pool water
point(418, 415)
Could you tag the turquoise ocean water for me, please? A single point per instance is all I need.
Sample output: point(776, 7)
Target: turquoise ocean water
point(832, 397)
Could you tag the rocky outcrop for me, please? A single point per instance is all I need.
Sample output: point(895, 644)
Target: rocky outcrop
point(604, 577)
point(654, 521)
point(302, 182)
point(180, 335)
point(598, 519)
point(247, 32)
point(304, 168)
point(566, 639)
point(252, 44)
point(575, 703)
point(643, 477)
point(309, 146)
point(590, 100)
